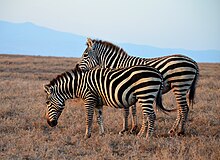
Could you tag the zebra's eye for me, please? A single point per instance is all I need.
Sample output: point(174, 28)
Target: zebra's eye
point(85, 54)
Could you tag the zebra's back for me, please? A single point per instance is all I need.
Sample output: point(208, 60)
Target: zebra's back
point(178, 64)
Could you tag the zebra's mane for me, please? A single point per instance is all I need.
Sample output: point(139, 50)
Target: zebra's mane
point(109, 44)
point(55, 80)
point(122, 51)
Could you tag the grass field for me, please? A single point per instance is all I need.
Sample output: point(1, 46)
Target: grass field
point(25, 134)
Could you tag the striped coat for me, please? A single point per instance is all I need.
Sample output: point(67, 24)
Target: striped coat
point(180, 73)
point(119, 88)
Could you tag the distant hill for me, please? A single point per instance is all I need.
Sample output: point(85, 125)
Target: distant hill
point(149, 51)
point(30, 39)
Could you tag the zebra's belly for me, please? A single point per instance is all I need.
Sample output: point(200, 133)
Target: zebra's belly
point(121, 103)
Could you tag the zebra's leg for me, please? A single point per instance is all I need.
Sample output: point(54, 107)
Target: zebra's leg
point(134, 119)
point(149, 117)
point(125, 121)
point(172, 132)
point(143, 130)
point(147, 128)
point(182, 112)
point(89, 118)
point(98, 111)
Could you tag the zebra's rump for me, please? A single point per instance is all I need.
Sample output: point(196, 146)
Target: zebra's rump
point(174, 65)
point(175, 69)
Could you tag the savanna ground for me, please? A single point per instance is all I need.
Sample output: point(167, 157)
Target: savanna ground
point(25, 134)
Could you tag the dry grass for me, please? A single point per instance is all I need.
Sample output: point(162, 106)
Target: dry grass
point(25, 134)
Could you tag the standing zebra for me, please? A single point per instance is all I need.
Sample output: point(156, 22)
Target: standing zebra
point(180, 74)
point(117, 88)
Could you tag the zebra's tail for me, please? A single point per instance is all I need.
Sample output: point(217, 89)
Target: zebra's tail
point(192, 90)
point(159, 103)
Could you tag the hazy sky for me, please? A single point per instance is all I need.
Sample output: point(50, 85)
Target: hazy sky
point(188, 24)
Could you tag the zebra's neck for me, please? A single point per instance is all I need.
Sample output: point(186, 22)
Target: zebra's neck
point(80, 84)
point(115, 57)
point(63, 86)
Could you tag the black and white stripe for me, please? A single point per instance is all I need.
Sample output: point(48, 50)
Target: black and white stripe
point(119, 88)
point(180, 73)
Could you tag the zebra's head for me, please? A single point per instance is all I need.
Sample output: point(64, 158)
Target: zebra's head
point(89, 58)
point(55, 105)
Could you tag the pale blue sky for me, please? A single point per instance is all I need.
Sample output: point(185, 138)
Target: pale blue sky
point(188, 24)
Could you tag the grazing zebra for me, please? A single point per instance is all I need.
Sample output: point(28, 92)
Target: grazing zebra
point(180, 74)
point(119, 88)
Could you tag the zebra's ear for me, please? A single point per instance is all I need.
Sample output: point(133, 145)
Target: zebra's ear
point(47, 89)
point(89, 42)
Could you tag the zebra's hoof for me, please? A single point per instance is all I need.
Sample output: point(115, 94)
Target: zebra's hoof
point(148, 137)
point(102, 134)
point(172, 133)
point(87, 136)
point(181, 133)
point(141, 135)
point(123, 132)
point(134, 130)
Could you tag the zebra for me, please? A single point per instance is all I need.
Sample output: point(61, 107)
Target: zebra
point(119, 88)
point(180, 74)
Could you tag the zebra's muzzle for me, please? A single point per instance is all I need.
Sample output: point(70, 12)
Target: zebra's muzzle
point(52, 123)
